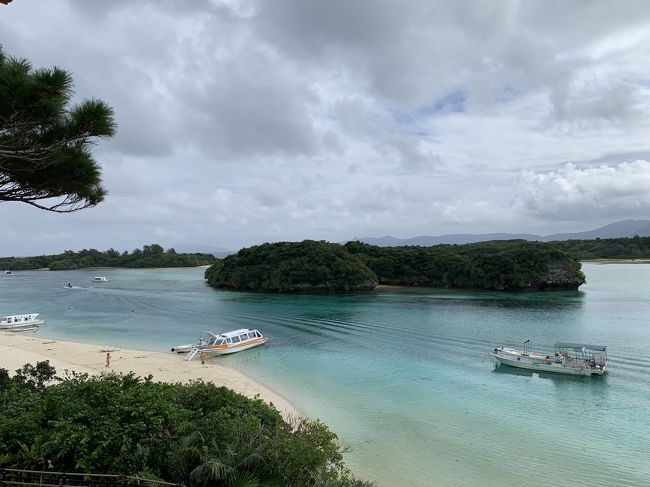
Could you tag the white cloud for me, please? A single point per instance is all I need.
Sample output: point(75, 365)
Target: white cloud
point(572, 192)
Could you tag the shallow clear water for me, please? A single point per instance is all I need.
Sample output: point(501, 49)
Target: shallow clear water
point(404, 377)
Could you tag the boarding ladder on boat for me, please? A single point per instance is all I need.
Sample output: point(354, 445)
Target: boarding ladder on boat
point(192, 353)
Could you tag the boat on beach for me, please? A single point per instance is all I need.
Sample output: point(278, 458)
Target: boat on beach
point(26, 322)
point(224, 343)
point(568, 358)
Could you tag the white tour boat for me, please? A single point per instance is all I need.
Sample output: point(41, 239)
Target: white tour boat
point(225, 343)
point(100, 279)
point(568, 358)
point(26, 322)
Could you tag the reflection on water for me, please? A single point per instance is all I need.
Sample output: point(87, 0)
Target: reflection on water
point(601, 380)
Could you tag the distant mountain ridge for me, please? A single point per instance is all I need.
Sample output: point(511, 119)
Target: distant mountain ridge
point(624, 228)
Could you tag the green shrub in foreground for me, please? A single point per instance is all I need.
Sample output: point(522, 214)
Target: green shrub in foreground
point(193, 434)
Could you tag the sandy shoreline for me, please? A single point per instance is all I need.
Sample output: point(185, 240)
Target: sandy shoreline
point(17, 350)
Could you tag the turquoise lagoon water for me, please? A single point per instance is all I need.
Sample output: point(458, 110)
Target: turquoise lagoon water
point(404, 377)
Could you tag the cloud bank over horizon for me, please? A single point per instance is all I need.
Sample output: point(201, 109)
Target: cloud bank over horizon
point(251, 121)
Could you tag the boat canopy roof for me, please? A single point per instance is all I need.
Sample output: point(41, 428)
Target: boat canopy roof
point(579, 346)
point(231, 334)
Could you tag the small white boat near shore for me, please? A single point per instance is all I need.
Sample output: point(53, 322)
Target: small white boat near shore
point(100, 279)
point(568, 358)
point(26, 322)
point(224, 343)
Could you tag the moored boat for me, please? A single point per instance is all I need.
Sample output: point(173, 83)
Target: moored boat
point(225, 343)
point(26, 322)
point(568, 358)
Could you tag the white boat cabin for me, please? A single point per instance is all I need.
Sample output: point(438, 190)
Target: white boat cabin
point(234, 337)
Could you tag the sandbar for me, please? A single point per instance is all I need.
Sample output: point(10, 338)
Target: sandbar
point(616, 261)
point(17, 350)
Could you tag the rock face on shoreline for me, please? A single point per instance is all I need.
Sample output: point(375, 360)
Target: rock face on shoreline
point(561, 275)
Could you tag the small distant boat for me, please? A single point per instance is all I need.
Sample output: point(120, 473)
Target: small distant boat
point(68, 285)
point(100, 279)
point(568, 358)
point(225, 343)
point(9, 273)
point(26, 322)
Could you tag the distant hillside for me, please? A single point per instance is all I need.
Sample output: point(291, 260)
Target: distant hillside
point(625, 228)
point(219, 252)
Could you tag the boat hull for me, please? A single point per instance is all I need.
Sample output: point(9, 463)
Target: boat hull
point(233, 348)
point(21, 326)
point(542, 367)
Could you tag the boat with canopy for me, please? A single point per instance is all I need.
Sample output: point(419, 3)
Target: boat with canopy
point(568, 358)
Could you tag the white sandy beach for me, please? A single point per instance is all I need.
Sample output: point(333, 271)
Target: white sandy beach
point(16, 350)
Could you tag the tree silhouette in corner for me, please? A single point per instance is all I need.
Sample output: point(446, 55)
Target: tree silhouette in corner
point(45, 157)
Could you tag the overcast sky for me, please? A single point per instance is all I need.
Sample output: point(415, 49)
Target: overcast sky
point(241, 122)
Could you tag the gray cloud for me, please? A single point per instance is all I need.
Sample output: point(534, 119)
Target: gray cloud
point(241, 122)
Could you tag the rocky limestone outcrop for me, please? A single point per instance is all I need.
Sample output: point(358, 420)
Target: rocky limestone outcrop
point(561, 275)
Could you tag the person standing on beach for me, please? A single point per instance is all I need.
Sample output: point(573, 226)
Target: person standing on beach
point(202, 355)
point(108, 360)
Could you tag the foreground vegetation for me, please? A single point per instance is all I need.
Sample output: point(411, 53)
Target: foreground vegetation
point(150, 256)
point(192, 434)
point(323, 266)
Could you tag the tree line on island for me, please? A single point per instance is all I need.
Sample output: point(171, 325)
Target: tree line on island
point(607, 248)
point(149, 256)
point(320, 266)
point(194, 434)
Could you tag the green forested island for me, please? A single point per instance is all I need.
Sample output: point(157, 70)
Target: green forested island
point(150, 256)
point(326, 267)
point(194, 434)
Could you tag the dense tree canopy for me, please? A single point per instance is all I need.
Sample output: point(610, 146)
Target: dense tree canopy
point(292, 266)
point(323, 266)
point(45, 157)
point(499, 265)
point(150, 256)
point(193, 434)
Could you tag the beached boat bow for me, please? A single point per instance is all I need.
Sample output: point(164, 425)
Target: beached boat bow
point(225, 343)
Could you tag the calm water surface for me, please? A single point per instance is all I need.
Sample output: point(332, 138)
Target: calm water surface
point(404, 377)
